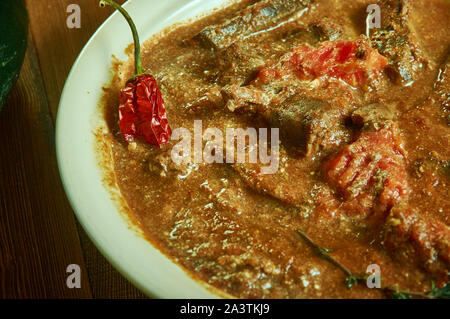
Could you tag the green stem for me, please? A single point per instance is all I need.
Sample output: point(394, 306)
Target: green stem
point(354, 279)
point(137, 44)
point(408, 293)
point(324, 253)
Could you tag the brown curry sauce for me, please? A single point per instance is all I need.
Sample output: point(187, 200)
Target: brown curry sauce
point(237, 231)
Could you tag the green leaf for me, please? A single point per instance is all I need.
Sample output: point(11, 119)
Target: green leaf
point(400, 295)
point(443, 293)
point(351, 281)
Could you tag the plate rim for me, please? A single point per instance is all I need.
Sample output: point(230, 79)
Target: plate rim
point(213, 291)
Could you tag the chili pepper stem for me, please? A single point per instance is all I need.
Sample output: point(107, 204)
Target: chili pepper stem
point(137, 44)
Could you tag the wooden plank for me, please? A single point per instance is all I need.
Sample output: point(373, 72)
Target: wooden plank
point(57, 47)
point(56, 44)
point(38, 234)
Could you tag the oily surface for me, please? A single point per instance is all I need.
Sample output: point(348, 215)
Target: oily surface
point(237, 229)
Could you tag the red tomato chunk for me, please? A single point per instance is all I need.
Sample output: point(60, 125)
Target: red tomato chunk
point(370, 173)
point(354, 62)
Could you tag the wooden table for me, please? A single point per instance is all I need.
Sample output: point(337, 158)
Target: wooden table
point(39, 234)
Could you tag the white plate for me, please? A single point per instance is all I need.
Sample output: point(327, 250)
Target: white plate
point(132, 255)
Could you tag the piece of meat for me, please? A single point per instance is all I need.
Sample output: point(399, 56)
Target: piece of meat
point(326, 30)
point(314, 71)
point(257, 97)
point(254, 98)
point(240, 61)
point(397, 41)
point(255, 18)
point(354, 62)
point(370, 173)
point(308, 128)
point(373, 116)
point(309, 125)
point(309, 112)
point(411, 237)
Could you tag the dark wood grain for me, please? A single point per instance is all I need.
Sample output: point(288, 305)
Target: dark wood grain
point(39, 235)
point(106, 282)
point(57, 45)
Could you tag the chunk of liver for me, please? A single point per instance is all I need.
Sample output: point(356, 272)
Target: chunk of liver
point(310, 125)
point(255, 18)
point(397, 41)
point(409, 236)
point(326, 30)
point(373, 116)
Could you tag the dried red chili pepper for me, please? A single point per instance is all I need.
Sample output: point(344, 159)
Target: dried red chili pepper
point(141, 111)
